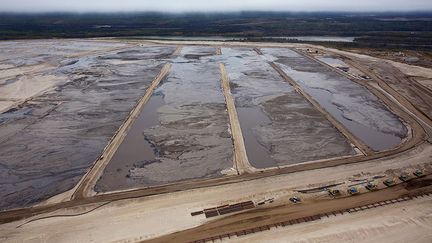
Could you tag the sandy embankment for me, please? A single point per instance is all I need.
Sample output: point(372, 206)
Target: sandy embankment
point(16, 89)
point(409, 221)
point(149, 217)
point(26, 66)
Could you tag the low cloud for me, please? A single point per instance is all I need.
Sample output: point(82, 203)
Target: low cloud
point(211, 6)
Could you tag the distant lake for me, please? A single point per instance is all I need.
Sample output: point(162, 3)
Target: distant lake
point(319, 38)
point(226, 38)
point(188, 38)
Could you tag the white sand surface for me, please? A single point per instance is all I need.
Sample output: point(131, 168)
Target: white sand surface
point(137, 219)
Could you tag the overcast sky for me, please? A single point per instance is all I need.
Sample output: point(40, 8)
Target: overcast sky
point(213, 5)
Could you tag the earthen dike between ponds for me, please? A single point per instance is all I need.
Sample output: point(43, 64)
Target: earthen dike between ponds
point(419, 133)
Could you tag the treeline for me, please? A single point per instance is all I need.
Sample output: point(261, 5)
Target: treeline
point(248, 24)
point(362, 42)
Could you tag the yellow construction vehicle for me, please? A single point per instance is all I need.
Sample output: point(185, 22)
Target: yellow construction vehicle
point(334, 192)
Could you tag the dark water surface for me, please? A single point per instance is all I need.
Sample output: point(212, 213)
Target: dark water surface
point(258, 154)
point(135, 148)
point(350, 103)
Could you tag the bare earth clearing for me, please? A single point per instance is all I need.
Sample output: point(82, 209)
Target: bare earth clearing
point(212, 124)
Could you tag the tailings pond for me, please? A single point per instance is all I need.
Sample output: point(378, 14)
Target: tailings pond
point(350, 103)
point(49, 142)
point(182, 133)
point(280, 127)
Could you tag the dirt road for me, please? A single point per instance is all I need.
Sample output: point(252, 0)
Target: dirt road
point(407, 221)
point(241, 160)
point(272, 215)
point(157, 215)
